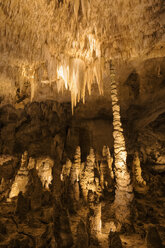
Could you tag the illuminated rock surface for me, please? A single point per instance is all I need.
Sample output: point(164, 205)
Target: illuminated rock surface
point(65, 133)
point(21, 179)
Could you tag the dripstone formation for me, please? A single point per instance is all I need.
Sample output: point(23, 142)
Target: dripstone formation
point(82, 123)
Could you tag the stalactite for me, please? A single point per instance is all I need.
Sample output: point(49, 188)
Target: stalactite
point(137, 172)
point(98, 72)
point(75, 75)
point(84, 4)
point(124, 190)
point(76, 8)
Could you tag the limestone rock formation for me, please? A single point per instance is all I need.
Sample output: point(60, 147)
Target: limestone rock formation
point(77, 162)
point(110, 162)
point(124, 191)
point(137, 172)
point(114, 240)
point(80, 49)
point(87, 177)
point(44, 169)
point(21, 179)
point(89, 170)
point(57, 94)
point(23, 206)
point(153, 238)
point(66, 170)
point(75, 169)
point(31, 163)
point(106, 171)
point(2, 185)
point(82, 235)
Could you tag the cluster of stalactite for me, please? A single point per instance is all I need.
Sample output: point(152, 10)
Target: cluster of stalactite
point(74, 74)
point(42, 165)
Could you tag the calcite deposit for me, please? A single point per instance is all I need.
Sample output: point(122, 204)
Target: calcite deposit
point(82, 123)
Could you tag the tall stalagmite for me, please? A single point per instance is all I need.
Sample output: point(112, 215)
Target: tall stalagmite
point(124, 190)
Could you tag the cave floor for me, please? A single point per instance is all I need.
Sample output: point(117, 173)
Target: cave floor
point(35, 228)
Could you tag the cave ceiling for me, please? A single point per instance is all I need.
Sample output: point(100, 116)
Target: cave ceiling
point(49, 48)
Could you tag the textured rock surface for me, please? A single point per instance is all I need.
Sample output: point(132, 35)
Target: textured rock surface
point(21, 179)
point(35, 53)
point(53, 54)
point(153, 238)
point(44, 168)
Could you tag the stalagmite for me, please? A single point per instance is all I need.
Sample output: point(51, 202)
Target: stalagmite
point(44, 168)
point(124, 190)
point(76, 191)
point(83, 184)
point(2, 185)
point(137, 172)
point(102, 178)
point(94, 215)
point(110, 162)
point(106, 172)
point(31, 163)
point(66, 170)
point(87, 181)
point(68, 166)
point(89, 171)
point(76, 166)
point(24, 159)
point(77, 162)
point(98, 187)
point(21, 179)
